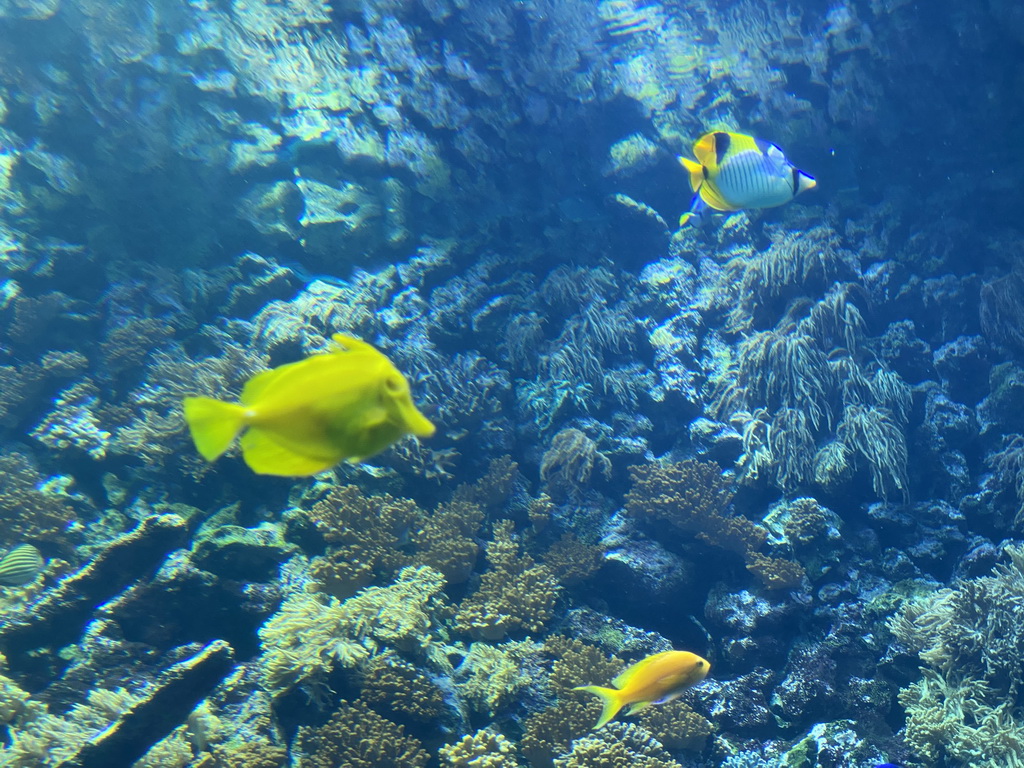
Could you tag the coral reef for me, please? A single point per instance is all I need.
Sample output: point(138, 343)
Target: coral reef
point(357, 736)
point(515, 593)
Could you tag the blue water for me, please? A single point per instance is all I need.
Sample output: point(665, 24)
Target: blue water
point(788, 440)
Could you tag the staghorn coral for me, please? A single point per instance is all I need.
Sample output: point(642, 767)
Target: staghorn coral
point(483, 749)
point(358, 737)
point(400, 687)
point(617, 745)
point(515, 593)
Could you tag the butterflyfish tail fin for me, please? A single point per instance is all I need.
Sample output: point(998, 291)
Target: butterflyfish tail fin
point(214, 424)
point(610, 699)
point(695, 172)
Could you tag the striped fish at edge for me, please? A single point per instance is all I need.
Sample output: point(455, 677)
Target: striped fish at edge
point(20, 566)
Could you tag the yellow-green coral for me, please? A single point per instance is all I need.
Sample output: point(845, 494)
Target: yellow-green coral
point(483, 749)
point(676, 726)
point(310, 634)
point(548, 733)
point(516, 594)
point(491, 676)
point(357, 737)
point(447, 539)
point(578, 663)
point(617, 745)
point(399, 686)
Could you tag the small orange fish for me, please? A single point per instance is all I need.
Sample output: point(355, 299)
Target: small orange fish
point(654, 680)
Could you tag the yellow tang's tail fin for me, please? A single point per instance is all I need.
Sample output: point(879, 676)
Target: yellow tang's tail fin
point(214, 424)
point(610, 698)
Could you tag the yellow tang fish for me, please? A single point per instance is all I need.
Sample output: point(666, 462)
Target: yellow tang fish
point(654, 680)
point(735, 171)
point(305, 417)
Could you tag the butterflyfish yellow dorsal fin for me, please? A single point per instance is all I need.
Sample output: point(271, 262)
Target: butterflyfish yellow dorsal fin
point(695, 171)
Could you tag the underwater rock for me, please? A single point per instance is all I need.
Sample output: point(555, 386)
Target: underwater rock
point(59, 616)
point(962, 364)
point(1000, 412)
point(167, 704)
point(243, 554)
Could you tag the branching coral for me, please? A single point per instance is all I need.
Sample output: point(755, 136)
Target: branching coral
point(31, 512)
point(693, 497)
point(403, 689)
point(446, 541)
point(308, 636)
point(365, 534)
point(514, 594)
point(572, 560)
point(963, 708)
point(358, 737)
point(618, 745)
point(569, 462)
point(491, 676)
point(578, 663)
point(676, 726)
point(483, 749)
point(548, 733)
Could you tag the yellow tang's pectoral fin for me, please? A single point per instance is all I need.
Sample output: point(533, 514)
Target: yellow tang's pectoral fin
point(266, 456)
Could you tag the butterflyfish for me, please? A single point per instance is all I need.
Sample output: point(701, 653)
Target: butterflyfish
point(655, 680)
point(735, 171)
point(304, 417)
point(20, 566)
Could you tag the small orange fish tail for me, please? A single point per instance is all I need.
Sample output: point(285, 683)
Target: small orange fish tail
point(214, 425)
point(610, 699)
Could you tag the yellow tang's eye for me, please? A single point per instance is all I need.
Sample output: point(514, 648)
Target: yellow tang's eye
point(394, 385)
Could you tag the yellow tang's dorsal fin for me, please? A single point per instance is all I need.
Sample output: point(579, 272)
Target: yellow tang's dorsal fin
point(258, 384)
point(352, 344)
point(630, 672)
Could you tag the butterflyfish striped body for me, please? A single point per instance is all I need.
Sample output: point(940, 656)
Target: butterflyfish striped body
point(303, 418)
point(655, 680)
point(733, 171)
point(20, 566)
